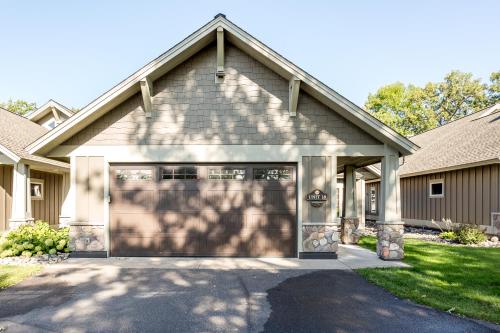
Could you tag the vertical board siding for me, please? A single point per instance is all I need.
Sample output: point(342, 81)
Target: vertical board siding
point(5, 196)
point(90, 189)
point(49, 208)
point(470, 196)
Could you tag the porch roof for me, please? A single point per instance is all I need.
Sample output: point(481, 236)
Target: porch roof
point(16, 133)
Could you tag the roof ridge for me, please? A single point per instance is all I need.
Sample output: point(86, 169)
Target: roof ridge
point(454, 121)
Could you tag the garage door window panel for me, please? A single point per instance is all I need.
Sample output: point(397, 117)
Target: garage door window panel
point(273, 174)
point(227, 173)
point(182, 173)
point(134, 174)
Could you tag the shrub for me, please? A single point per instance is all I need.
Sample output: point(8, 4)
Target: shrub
point(448, 235)
point(34, 239)
point(468, 234)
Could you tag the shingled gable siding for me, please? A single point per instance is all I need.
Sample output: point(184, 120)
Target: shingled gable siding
point(249, 107)
point(470, 196)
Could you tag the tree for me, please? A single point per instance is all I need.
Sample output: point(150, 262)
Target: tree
point(494, 88)
point(457, 96)
point(411, 110)
point(18, 106)
point(402, 108)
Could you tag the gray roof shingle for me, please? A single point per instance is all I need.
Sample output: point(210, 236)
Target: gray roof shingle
point(471, 139)
point(17, 132)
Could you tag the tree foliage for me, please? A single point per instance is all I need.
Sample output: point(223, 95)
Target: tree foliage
point(18, 106)
point(411, 110)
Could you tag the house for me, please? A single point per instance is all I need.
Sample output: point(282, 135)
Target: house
point(20, 201)
point(455, 175)
point(218, 147)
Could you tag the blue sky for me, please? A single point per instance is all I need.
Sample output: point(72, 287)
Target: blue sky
point(72, 51)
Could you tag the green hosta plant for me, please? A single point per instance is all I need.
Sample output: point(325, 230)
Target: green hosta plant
point(34, 239)
point(468, 234)
point(448, 235)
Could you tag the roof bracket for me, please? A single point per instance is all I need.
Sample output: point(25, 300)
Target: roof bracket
point(147, 92)
point(293, 98)
point(219, 73)
point(56, 115)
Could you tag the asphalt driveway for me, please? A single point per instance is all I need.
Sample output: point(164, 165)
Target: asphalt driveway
point(117, 299)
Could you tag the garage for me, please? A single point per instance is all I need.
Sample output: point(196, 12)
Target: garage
point(203, 210)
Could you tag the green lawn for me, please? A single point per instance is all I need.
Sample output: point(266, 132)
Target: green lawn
point(463, 279)
point(11, 274)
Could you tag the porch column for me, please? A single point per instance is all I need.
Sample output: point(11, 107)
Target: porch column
point(350, 220)
point(390, 227)
point(21, 196)
point(67, 206)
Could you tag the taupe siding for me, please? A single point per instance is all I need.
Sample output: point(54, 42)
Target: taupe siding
point(249, 107)
point(5, 196)
point(89, 189)
point(471, 195)
point(49, 208)
point(317, 174)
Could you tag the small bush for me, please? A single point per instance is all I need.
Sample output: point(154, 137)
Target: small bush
point(448, 235)
point(468, 234)
point(34, 239)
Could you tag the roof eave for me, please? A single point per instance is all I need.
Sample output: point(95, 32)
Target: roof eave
point(191, 45)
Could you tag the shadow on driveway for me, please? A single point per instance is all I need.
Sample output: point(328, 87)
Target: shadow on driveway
point(117, 299)
point(342, 301)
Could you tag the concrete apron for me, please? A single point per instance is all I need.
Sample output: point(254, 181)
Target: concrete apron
point(349, 257)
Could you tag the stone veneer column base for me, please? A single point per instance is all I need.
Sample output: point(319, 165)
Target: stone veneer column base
point(319, 240)
point(86, 238)
point(349, 227)
point(390, 243)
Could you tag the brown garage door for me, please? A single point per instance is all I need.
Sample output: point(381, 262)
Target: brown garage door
point(203, 210)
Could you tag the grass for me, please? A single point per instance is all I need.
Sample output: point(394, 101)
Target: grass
point(458, 279)
point(12, 274)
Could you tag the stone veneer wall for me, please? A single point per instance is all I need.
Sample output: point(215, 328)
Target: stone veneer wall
point(320, 238)
point(390, 241)
point(86, 238)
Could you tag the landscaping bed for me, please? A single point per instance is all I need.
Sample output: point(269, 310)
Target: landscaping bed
point(431, 235)
point(462, 280)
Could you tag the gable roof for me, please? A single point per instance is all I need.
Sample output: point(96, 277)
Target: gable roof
point(469, 141)
point(47, 108)
point(18, 132)
point(244, 41)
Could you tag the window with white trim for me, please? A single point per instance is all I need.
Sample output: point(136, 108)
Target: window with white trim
point(36, 189)
point(436, 188)
point(373, 199)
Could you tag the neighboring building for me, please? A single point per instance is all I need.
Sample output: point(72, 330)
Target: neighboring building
point(50, 114)
point(455, 175)
point(220, 147)
point(21, 201)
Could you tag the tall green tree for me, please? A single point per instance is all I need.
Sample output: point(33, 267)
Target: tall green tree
point(18, 106)
point(402, 108)
point(411, 110)
point(494, 88)
point(457, 96)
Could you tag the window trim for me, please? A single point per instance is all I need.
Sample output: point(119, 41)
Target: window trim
point(436, 181)
point(40, 182)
